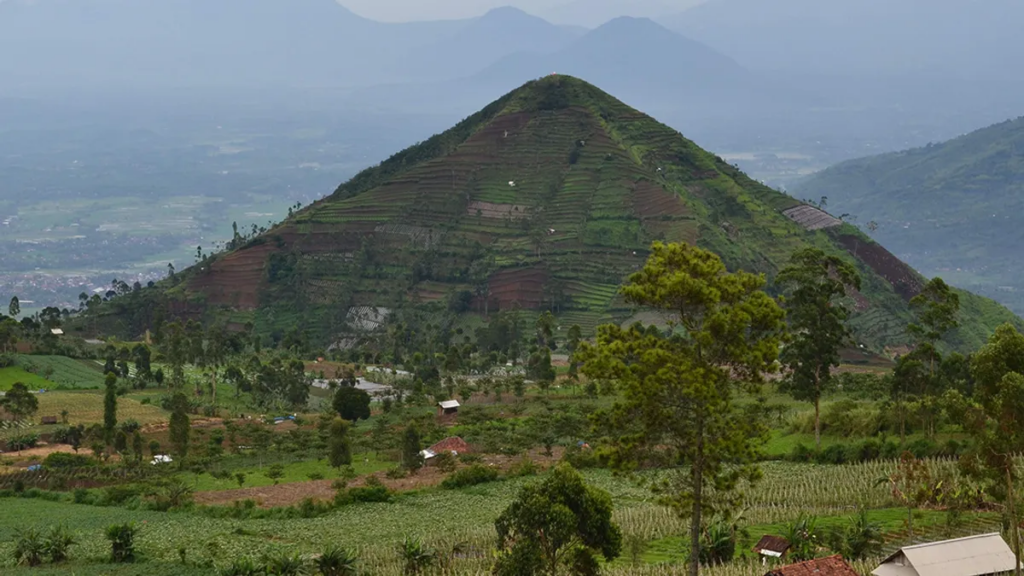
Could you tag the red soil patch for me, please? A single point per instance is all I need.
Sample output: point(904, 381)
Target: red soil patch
point(235, 279)
point(901, 276)
point(653, 201)
point(524, 286)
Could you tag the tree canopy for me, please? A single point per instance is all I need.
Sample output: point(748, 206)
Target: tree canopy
point(557, 525)
point(677, 404)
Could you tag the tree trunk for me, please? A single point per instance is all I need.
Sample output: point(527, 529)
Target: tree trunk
point(697, 476)
point(1014, 525)
point(817, 409)
point(817, 424)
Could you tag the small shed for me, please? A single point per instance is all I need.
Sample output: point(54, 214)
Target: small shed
point(828, 566)
point(447, 407)
point(56, 331)
point(49, 420)
point(771, 547)
point(971, 556)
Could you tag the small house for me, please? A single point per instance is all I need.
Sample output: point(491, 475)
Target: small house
point(56, 331)
point(161, 459)
point(971, 556)
point(771, 547)
point(49, 420)
point(828, 566)
point(448, 408)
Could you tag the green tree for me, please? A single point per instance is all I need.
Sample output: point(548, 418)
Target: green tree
point(677, 403)
point(110, 408)
point(560, 523)
point(993, 417)
point(14, 309)
point(180, 427)
point(816, 284)
point(935, 310)
point(351, 403)
point(19, 402)
point(412, 459)
point(339, 447)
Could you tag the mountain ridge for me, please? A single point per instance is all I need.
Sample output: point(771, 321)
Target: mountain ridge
point(950, 208)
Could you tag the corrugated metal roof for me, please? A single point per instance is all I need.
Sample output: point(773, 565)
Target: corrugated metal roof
point(970, 556)
point(449, 404)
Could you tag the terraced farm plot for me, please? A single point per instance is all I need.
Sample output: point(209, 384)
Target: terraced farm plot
point(63, 371)
point(86, 407)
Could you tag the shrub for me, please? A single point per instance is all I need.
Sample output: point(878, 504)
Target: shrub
point(369, 494)
point(22, 441)
point(833, 454)
point(801, 453)
point(65, 460)
point(122, 542)
point(396, 473)
point(243, 567)
point(581, 458)
point(58, 544)
point(475, 474)
point(337, 562)
point(445, 462)
point(922, 448)
point(868, 450)
point(524, 467)
point(29, 547)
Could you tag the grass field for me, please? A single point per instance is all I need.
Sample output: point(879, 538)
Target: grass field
point(14, 374)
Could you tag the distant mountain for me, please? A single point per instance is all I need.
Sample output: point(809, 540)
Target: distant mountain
point(955, 38)
point(954, 209)
point(484, 40)
point(114, 44)
point(633, 58)
point(547, 199)
point(593, 13)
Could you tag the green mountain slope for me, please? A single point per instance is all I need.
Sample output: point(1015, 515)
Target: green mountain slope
point(951, 209)
point(546, 199)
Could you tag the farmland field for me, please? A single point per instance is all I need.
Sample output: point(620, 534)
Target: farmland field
point(64, 372)
point(14, 374)
point(374, 530)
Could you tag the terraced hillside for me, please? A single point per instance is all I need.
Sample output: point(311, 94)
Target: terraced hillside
point(546, 199)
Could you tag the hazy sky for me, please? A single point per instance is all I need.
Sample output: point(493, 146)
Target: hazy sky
point(400, 10)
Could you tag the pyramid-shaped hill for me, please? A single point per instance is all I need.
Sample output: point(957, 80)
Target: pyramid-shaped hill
point(546, 199)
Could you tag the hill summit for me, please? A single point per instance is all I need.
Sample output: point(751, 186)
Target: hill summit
point(544, 200)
